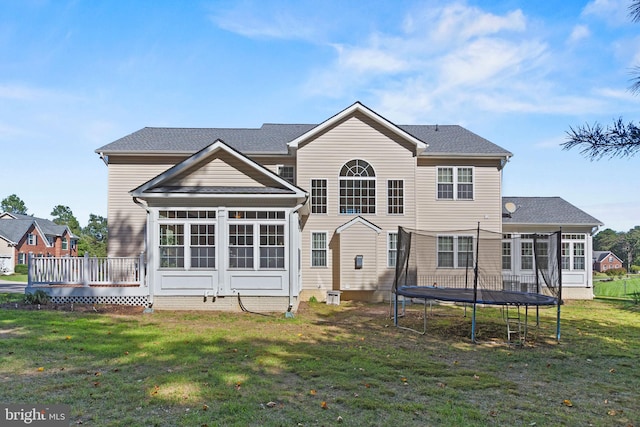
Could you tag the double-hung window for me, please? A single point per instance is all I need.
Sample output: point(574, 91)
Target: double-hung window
point(32, 239)
point(319, 249)
point(172, 245)
point(395, 196)
point(203, 245)
point(241, 246)
point(319, 196)
point(526, 255)
point(272, 246)
point(455, 251)
point(506, 255)
point(392, 249)
point(455, 183)
point(357, 188)
point(573, 252)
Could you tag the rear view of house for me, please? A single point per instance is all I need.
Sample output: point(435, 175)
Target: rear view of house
point(263, 218)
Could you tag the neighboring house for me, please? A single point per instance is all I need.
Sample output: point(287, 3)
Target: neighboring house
point(605, 260)
point(21, 235)
point(285, 212)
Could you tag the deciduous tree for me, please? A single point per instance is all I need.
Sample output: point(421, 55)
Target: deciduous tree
point(62, 215)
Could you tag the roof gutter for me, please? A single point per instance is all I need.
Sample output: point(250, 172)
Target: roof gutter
point(104, 158)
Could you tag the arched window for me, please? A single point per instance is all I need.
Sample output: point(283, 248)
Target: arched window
point(357, 188)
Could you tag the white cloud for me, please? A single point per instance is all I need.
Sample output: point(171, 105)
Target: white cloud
point(458, 61)
point(460, 23)
point(579, 32)
point(274, 23)
point(370, 59)
point(445, 59)
point(488, 61)
point(614, 12)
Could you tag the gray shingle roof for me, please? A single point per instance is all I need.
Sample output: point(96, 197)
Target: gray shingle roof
point(599, 256)
point(453, 139)
point(47, 226)
point(269, 139)
point(273, 139)
point(14, 229)
point(545, 210)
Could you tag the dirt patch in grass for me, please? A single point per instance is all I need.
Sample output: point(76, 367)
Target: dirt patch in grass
point(80, 308)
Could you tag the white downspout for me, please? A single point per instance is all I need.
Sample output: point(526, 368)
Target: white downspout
point(297, 258)
point(146, 245)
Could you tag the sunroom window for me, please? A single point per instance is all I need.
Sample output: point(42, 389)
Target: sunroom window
point(257, 240)
point(187, 239)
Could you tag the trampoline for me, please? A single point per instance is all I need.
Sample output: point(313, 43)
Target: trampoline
point(487, 297)
point(469, 268)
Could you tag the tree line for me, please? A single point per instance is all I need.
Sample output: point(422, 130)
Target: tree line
point(92, 238)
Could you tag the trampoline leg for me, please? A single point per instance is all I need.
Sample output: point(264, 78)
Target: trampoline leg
point(395, 310)
point(526, 323)
point(473, 325)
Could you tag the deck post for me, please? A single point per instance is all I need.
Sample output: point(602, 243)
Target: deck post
point(86, 274)
point(141, 270)
point(29, 270)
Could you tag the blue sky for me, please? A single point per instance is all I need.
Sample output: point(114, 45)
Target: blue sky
point(76, 75)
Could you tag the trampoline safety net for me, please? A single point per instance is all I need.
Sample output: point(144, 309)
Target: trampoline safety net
point(509, 268)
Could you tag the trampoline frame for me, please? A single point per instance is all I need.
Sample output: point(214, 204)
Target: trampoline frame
point(465, 296)
point(471, 296)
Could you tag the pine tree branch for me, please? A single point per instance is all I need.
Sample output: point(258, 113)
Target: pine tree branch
point(596, 142)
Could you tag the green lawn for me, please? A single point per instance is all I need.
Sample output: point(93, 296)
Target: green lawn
point(329, 365)
point(15, 278)
point(619, 288)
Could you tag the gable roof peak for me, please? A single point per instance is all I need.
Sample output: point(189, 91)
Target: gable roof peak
point(358, 107)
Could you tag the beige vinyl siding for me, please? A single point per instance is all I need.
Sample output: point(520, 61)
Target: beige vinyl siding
point(126, 220)
point(359, 240)
point(224, 170)
point(357, 137)
point(5, 248)
point(272, 162)
point(434, 214)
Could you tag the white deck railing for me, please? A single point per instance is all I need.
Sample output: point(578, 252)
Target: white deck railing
point(86, 271)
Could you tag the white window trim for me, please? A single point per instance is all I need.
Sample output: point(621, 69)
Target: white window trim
point(571, 239)
point(256, 238)
point(455, 250)
point(279, 173)
point(404, 205)
point(326, 248)
point(503, 256)
point(326, 199)
point(389, 234)
point(455, 183)
point(365, 178)
point(186, 223)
